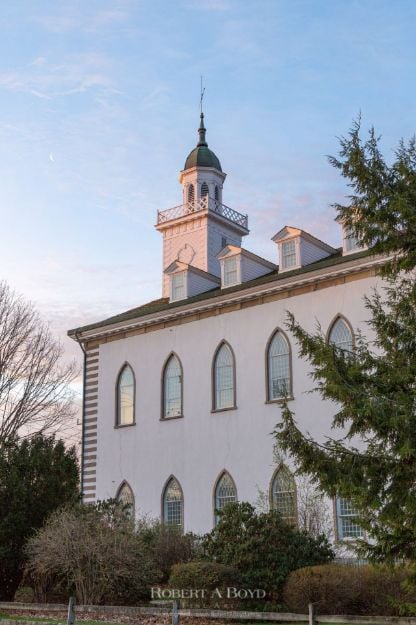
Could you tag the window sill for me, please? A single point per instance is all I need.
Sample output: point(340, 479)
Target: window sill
point(214, 410)
point(124, 425)
point(279, 401)
point(179, 416)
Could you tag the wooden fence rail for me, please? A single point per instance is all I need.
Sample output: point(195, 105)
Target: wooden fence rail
point(277, 617)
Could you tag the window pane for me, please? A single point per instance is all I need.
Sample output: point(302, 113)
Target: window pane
point(288, 254)
point(230, 271)
point(351, 241)
point(346, 513)
point(284, 495)
point(224, 493)
point(125, 496)
point(125, 399)
point(178, 286)
point(173, 388)
point(341, 336)
point(173, 504)
point(224, 378)
point(279, 367)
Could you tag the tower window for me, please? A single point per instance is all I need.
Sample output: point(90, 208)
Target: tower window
point(204, 189)
point(217, 193)
point(191, 194)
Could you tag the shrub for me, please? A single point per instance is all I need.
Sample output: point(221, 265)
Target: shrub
point(95, 551)
point(343, 589)
point(167, 545)
point(214, 578)
point(262, 547)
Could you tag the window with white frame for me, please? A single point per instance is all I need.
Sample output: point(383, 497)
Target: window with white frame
point(172, 388)
point(178, 286)
point(351, 242)
point(346, 514)
point(283, 495)
point(224, 378)
point(173, 504)
point(225, 492)
point(341, 335)
point(289, 256)
point(230, 271)
point(125, 396)
point(278, 365)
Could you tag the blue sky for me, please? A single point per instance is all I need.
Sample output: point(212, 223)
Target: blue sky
point(99, 108)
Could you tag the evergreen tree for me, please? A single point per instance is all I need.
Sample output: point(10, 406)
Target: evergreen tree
point(374, 386)
point(37, 476)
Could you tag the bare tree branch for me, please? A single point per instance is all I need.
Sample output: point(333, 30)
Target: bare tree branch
point(35, 393)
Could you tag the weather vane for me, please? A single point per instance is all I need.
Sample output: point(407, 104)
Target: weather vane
point(202, 94)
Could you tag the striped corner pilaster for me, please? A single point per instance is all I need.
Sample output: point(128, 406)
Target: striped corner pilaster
point(89, 462)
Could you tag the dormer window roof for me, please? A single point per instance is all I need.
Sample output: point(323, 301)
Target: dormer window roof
point(239, 265)
point(298, 248)
point(187, 281)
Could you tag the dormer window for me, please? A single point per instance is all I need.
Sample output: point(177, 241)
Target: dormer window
point(351, 242)
point(178, 286)
point(230, 271)
point(289, 256)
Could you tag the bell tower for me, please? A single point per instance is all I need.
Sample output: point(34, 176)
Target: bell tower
point(197, 230)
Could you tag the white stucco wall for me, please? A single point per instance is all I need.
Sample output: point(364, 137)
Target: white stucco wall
point(199, 446)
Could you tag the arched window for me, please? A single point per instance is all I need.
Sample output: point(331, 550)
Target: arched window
point(125, 396)
point(204, 189)
point(126, 498)
point(224, 378)
point(279, 381)
point(217, 193)
point(191, 194)
point(340, 335)
point(173, 504)
point(225, 492)
point(172, 388)
point(283, 495)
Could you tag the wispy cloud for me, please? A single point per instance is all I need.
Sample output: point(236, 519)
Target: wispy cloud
point(90, 21)
point(76, 74)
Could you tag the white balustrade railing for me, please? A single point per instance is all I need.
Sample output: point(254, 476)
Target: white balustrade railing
point(203, 204)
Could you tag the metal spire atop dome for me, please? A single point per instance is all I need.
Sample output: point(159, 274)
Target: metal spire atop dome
point(202, 130)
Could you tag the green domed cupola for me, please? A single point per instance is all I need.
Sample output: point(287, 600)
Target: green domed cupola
point(202, 156)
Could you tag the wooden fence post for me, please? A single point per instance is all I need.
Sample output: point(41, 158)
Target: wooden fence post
point(175, 612)
point(312, 615)
point(71, 611)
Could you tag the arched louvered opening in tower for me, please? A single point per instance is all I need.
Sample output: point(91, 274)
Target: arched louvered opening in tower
point(204, 189)
point(217, 194)
point(191, 194)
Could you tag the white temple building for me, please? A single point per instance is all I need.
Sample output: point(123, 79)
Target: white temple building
point(181, 394)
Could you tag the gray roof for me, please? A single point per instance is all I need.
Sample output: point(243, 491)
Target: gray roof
point(162, 304)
